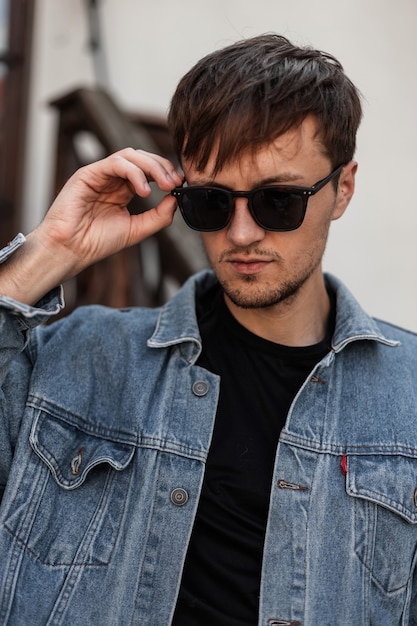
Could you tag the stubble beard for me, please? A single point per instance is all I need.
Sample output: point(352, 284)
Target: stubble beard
point(251, 292)
point(254, 292)
point(252, 295)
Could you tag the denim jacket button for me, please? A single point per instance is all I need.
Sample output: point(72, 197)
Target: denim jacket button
point(200, 388)
point(282, 622)
point(179, 496)
point(76, 463)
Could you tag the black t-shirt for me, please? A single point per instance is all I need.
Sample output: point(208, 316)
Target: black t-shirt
point(259, 380)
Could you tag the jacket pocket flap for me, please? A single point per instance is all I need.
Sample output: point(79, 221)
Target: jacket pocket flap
point(70, 453)
point(390, 481)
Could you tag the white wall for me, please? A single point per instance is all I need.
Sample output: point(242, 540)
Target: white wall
point(151, 44)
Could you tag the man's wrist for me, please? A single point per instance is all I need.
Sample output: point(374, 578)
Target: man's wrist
point(28, 270)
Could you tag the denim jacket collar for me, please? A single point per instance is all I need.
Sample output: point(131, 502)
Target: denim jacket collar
point(352, 322)
point(175, 324)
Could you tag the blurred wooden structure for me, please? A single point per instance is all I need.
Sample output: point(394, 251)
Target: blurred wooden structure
point(14, 90)
point(146, 274)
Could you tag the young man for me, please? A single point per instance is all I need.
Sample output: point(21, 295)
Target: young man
point(247, 454)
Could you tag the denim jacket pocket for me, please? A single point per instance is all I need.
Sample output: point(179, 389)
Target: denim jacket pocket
point(69, 506)
point(385, 492)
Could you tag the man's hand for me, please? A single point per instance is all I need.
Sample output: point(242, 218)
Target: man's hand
point(89, 221)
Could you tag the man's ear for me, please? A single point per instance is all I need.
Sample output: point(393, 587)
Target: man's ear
point(345, 188)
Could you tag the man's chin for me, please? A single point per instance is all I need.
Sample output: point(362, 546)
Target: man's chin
point(253, 296)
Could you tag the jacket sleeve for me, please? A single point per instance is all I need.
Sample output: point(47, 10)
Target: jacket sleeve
point(16, 323)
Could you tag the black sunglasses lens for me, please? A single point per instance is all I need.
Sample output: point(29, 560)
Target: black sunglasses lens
point(278, 210)
point(205, 209)
point(208, 209)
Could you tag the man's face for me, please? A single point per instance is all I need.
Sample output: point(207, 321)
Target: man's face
point(259, 268)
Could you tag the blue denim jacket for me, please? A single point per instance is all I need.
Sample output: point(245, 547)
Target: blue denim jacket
point(106, 424)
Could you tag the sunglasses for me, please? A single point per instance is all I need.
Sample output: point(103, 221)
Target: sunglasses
point(275, 207)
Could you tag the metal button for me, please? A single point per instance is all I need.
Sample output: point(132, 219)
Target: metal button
point(76, 463)
point(200, 388)
point(179, 496)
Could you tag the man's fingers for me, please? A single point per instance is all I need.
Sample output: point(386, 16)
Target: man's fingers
point(150, 222)
point(141, 167)
point(136, 168)
point(167, 168)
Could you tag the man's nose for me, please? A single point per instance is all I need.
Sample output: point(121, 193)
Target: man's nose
point(242, 229)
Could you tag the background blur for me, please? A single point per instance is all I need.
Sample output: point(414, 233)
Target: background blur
point(137, 51)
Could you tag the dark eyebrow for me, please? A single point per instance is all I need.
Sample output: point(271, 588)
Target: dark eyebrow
point(281, 179)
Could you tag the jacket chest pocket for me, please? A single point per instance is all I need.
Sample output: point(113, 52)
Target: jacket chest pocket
point(385, 492)
point(69, 504)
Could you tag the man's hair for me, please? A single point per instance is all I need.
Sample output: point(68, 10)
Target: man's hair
point(244, 96)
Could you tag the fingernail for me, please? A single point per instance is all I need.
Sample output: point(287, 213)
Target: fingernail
point(146, 187)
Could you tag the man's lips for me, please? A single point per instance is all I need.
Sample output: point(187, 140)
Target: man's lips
point(248, 266)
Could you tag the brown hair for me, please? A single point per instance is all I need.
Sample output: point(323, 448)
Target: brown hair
point(246, 95)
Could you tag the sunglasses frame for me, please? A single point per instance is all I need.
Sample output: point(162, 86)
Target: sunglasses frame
point(303, 192)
